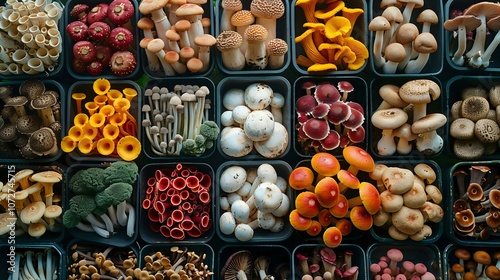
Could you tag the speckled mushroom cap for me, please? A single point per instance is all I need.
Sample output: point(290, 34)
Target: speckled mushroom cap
point(475, 108)
point(7, 112)
point(242, 18)
point(277, 47)
point(468, 149)
point(5, 91)
point(487, 131)
point(28, 124)
point(32, 89)
point(189, 10)
point(43, 141)
point(17, 101)
point(256, 33)
point(21, 141)
point(228, 40)
point(231, 5)
point(8, 133)
point(26, 152)
point(52, 92)
point(43, 101)
point(419, 91)
point(267, 8)
point(462, 128)
point(56, 127)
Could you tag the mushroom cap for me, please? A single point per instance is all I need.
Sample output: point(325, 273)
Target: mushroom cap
point(429, 16)
point(48, 176)
point(233, 97)
point(52, 211)
point(36, 229)
point(339, 112)
point(395, 52)
point(468, 148)
point(379, 23)
point(327, 192)
point(332, 237)
point(235, 143)
point(277, 47)
point(407, 33)
point(370, 197)
point(242, 18)
point(415, 197)
point(19, 100)
point(28, 124)
point(258, 96)
point(189, 9)
point(307, 204)
point(487, 131)
point(43, 101)
point(360, 218)
point(494, 23)
point(32, 88)
point(428, 123)
point(390, 94)
point(255, 33)
point(241, 260)
point(355, 120)
point(228, 40)
point(299, 222)
point(475, 108)
point(339, 210)
point(146, 7)
point(419, 91)
point(462, 128)
point(7, 111)
point(33, 212)
point(5, 91)
point(5, 220)
point(326, 93)
point(23, 174)
point(391, 202)
point(268, 197)
point(470, 22)
point(43, 141)
point(360, 158)
point(316, 129)
point(425, 172)
point(155, 45)
point(488, 9)
point(398, 180)
point(417, 3)
point(393, 14)
point(395, 255)
point(145, 23)
point(232, 178)
point(275, 145)
point(243, 232)
point(271, 9)
point(408, 220)
point(205, 40)
point(8, 133)
point(389, 118)
point(301, 178)
point(227, 223)
point(231, 5)
point(425, 43)
point(325, 164)
point(482, 257)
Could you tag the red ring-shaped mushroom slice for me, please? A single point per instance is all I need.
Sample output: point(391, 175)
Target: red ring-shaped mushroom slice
point(320, 111)
point(316, 129)
point(327, 93)
point(356, 135)
point(305, 104)
point(339, 112)
point(355, 120)
point(356, 105)
point(332, 141)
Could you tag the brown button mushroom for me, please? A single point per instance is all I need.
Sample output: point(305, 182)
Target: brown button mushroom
point(379, 25)
point(394, 54)
point(419, 93)
point(424, 45)
point(391, 202)
point(425, 172)
point(388, 120)
point(405, 35)
point(475, 108)
point(415, 197)
point(468, 149)
point(487, 131)
point(427, 17)
point(43, 142)
point(462, 128)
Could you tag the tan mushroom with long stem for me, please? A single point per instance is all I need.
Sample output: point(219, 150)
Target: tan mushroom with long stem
point(405, 136)
point(204, 43)
point(255, 55)
point(22, 177)
point(192, 13)
point(47, 179)
point(379, 25)
point(406, 35)
point(419, 92)
point(160, 19)
point(388, 120)
point(43, 104)
point(241, 20)
point(394, 53)
point(494, 25)
point(461, 24)
point(424, 44)
point(229, 8)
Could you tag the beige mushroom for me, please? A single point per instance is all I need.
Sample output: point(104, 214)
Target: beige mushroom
point(415, 197)
point(419, 92)
point(422, 234)
point(487, 131)
point(425, 172)
point(228, 43)
point(433, 193)
point(429, 142)
point(390, 97)
point(462, 128)
point(475, 108)
point(391, 202)
point(33, 212)
point(398, 180)
point(408, 220)
point(388, 120)
point(394, 233)
point(405, 135)
point(47, 179)
point(468, 149)
point(394, 54)
point(424, 45)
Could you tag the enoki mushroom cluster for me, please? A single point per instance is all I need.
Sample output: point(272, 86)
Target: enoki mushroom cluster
point(178, 202)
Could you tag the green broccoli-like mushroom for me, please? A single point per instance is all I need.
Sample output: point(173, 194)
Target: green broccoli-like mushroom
point(121, 172)
point(199, 140)
point(188, 146)
point(84, 206)
point(209, 144)
point(70, 219)
point(87, 181)
point(209, 130)
point(113, 195)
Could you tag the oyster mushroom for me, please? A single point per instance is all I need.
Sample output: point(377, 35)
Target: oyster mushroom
point(32, 89)
point(43, 104)
point(238, 266)
point(28, 124)
point(43, 142)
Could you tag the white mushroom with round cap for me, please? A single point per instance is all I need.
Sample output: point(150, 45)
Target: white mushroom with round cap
point(232, 178)
point(429, 142)
point(259, 125)
point(234, 142)
point(267, 197)
point(388, 120)
point(487, 131)
point(258, 96)
point(240, 114)
point(277, 103)
point(275, 145)
point(232, 98)
point(227, 223)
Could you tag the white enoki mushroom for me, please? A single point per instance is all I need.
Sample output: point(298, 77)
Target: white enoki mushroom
point(131, 220)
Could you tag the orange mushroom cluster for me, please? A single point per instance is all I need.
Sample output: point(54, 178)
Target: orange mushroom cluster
point(483, 263)
point(107, 128)
point(332, 200)
point(329, 42)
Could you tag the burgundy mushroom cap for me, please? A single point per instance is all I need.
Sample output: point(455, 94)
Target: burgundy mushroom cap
point(316, 129)
point(356, 105)
point(320, 111)
point(356, 135)
point(305, 104)
point(355, 120)
point(339, 112)
point(327, 93)
point(332, 141)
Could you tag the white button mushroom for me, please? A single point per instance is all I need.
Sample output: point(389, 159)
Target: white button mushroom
point(265, 220)
point(243, 232)
point(226, 118)
point(232, 197)
point(240, 210)
point(232, 178)
point(240, 114)
point(244, 191)
point(235, 143)
point(276, 144)
point(282, 184)
point(224, 203)
point(267, 173)
point(284, 207)
point(259, 125)
point(258, 96)
point(233, 98)
point(268, 197)
point(227, 223)
point(277, 102)
point(279, 225)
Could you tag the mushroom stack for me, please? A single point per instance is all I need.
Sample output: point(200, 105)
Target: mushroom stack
point(402, 115)
point(243, 265)
point(252, 198)
point(475, 120)
point(177, 122)
point(476, 208)
point(31, 263)
point(326, 121)
point(331, 41)
point(399, 45)
point(469, 263)
point(248, 38)
point(31, 42)
point(326, 263)
point(30, 121)
point(102, 38)
point(409, 201)
point(331, 200)
point(29, 200)
point(176, 39)
point(395, 264)
point(479, 21)
point(253, 118)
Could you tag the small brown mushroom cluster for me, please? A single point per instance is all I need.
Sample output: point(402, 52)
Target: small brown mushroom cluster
point(242, 265)
point(399, 45)
point(409, 199)
point(326, 263)
point(248, 37)
point(403, 115)
point(179, 263)
point(478, 21)
point(28, 199)
point(30, 121)
point(475, 122)
point(177, 39)
point(476, 208)
point(253, 119)
point(30, 263)
point(474, 264)
point(90, 261)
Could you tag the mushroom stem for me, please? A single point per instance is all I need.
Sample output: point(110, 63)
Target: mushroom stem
point(120, 213)
point(386, 146)
point(29, 264)
point(17, 263)
point(458, 57)
point(107, 221)
point(131, 220)
point(489, 50)
point(112, 215)
point(40, 267)
point(429, 143)
point(479, 39)
point(100, 231)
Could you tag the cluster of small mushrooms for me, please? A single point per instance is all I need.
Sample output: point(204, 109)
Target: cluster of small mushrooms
point(476, 212)
point(331, 40)
point(474, 264)
point(177, 37)
point(475, 120)
point(399, 46)
point(252, 198)
point(476, 23)
point(253, 118)
point(409, 201)
point(242, 265)
point(177, 121)
point(31, 42)
point(326, 263)
point(326, 120)
point(29, 200)
point(30, 123)
point(248, 36)
point(31, 263)
point(402, 115)
point(392, 265)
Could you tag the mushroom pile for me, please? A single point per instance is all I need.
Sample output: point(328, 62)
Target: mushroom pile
point(33, 263)
point(102, 38)
point(326, 120)
point(178, 263)
point(176, 39)
point(253, 118)
point(252, 198)
point(478, 21)
point(100, 199)
point(242, 265)
point(476, 208)
point(474, 264)
point(178, 202)
point(177, 121)
point(92, 261)
point(399, 46)
point(332, 200)
point(30, 121)
point(331, 41)
point(402, 117)
point(107, 128)
point(31, 42)
point(392, 265)
point(248, 36)
point(326, 263)
point(28, 199)
point(475, 122)
point(409, 201)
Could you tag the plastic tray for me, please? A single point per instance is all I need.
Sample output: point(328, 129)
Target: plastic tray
point(200, 81)
point(282, 32)
point(199, 249)
point(359, 95)
point(49, 85)
point(283, 170)
point(360, 33)
point(278, 84)
point(68, 43)
point(86, 87)
point(120, 238)
point(154, 236)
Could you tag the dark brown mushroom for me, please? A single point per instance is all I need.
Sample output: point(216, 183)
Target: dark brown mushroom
point(463, 222)
point(28, 124)
point(18, 103)
point(21, 141)
point(26, 152)
point(8, 133)
point(5, 92)
point(44, 103)
point(43, 142)
point(32, 89)
point(9, 113)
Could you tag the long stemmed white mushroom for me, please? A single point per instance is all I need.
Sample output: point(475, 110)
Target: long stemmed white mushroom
point(461, 24)
point(378, 25)
point(493, 24)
